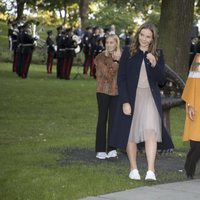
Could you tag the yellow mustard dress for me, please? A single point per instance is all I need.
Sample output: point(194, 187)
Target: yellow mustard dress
point(191, 95)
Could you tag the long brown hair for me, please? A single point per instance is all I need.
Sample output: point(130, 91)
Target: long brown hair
point(153, 45)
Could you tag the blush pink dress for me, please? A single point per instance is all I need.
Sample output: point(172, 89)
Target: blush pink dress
point(146, 121)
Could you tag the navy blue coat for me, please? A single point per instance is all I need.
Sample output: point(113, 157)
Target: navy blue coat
point(128, 76)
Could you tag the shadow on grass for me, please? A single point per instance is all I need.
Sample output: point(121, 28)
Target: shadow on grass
point(70, 156)
point(169, 166)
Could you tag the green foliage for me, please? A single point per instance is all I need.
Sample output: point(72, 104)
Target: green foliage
point(121, 13)
point(117, 16)
point(2, 7)
point(124, 14)
point(197, 11)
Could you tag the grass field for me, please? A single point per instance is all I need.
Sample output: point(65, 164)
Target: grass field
point(47, 137)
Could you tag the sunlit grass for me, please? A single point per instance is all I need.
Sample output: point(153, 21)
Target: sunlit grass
point(47, 137)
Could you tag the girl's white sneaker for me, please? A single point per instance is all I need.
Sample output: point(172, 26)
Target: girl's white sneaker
point(134, 174)
point(150, 175)
point(101, 155)
point(112, 154)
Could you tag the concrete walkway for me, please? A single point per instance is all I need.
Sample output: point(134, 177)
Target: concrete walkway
point(186, 190)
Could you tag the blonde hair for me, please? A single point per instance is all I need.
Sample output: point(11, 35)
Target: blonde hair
point(116, 39)
point(153, 45)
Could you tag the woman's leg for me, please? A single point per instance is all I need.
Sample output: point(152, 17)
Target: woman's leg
point(103, 102)
point(132, 156)
point(192, 158)
point(151, 148)
point(131, 150)
point(112, 110)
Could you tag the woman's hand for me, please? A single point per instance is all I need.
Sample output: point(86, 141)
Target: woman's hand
point(151, 59)
point(126, 108)
point(191, 113)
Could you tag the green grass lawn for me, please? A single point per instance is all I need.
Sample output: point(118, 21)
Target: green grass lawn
point(47, 137)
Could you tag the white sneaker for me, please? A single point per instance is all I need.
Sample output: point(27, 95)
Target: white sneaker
point(134, 174)
point(112, 154)
point(150, 176)
point(101, 155)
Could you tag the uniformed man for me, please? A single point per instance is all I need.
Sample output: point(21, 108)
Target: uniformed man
point(19, 57)
point(59, 36)
point(61, 47)
point(66, 54)
point(87, 49)
point(71, 44)
point(27, 47)
point(50, 51)
point(14, 37)
point(94, 49)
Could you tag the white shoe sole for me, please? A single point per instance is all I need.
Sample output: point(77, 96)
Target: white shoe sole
point(134, 175)
point(101, 158)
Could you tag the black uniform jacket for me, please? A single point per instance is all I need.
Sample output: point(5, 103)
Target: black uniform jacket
point(128, 76)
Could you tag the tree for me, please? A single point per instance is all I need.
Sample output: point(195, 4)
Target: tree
point(20, 9)
point(61, 6)
point(2, 7)
point(175, 33)
point(83, 11)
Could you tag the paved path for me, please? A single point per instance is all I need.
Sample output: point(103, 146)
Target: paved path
point(186, 190)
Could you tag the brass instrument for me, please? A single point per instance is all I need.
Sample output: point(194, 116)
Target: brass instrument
point(77, 39)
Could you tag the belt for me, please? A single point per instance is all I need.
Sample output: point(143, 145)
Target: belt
point(71, 49)
point(26, 45)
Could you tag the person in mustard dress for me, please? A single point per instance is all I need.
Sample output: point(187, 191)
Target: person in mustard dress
point(191, 95)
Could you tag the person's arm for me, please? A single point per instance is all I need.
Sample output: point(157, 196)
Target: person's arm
point(191, 112)
point(157, 67)
point(122, 83)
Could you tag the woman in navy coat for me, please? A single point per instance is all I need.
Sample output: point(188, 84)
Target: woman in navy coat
point(139, 113)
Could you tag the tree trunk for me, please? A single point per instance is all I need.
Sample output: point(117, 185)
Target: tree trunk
point(83, 10)
point(175, 33)
point(20, 9)
point(60, 13)
point(65, 15)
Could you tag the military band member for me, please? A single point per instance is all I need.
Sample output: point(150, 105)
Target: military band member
point(19, 57)
point(94, 46)
point(59, 36)
point(27, 47)
point(61, 46)
point(14, 36)
point(71, 44)
point(66, 54)
point(87, 49)
point(50, 51)
point(10, 30)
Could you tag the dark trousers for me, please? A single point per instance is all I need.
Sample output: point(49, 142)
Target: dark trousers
point(192, 158)
point(26, 64)
point(69, 67)
point(50, 61)
point(89, 63)
point(106, 112)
